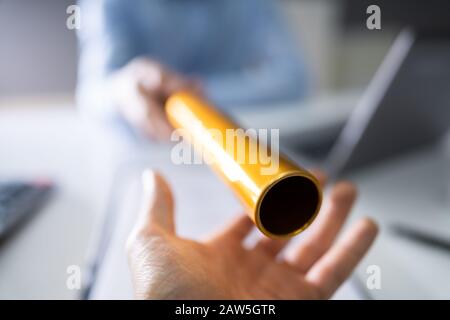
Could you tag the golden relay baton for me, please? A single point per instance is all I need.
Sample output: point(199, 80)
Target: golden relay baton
point(281, 202)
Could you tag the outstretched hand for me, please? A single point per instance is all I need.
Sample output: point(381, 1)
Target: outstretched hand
point(166, 266)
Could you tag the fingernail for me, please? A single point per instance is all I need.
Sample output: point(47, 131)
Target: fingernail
point(148, 181)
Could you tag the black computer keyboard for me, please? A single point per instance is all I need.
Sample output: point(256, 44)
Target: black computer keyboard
point(19, 200)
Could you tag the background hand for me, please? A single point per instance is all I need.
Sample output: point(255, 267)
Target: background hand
point(165, 266)
point(141, 89)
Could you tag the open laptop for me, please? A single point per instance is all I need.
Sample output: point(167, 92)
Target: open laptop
point(406, 106)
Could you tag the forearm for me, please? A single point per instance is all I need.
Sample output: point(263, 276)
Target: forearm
point(96, 98)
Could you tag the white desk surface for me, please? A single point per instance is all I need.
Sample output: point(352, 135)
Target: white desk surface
point(55, 142)
point(51, 142)
point(413, 190)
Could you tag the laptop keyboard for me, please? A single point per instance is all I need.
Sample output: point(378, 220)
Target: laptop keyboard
point(19, 200)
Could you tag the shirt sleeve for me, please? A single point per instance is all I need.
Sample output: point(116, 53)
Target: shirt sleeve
point(279, 74)
point(107, 41)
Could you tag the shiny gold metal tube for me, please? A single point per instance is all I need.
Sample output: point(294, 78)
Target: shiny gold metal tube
point(282, 200)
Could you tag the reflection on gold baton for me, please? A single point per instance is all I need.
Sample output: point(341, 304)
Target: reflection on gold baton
point(282, 201)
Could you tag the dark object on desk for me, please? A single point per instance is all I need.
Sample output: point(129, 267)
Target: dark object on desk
point(18, 201)
point(422, 237)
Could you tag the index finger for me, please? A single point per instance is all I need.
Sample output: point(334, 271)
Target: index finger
point(338, 263)
point(320, 176)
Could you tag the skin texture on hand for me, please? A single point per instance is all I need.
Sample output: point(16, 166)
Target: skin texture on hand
point(166, 266)
point(140, 90)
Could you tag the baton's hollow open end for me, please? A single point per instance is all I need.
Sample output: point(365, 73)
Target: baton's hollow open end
point(288, 205)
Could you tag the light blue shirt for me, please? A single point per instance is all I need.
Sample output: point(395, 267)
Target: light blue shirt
point(240, 49)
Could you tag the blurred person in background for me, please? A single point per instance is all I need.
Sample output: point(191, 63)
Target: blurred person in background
point(134, 54)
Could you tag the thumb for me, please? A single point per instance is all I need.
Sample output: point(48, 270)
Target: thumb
point(157, 208)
